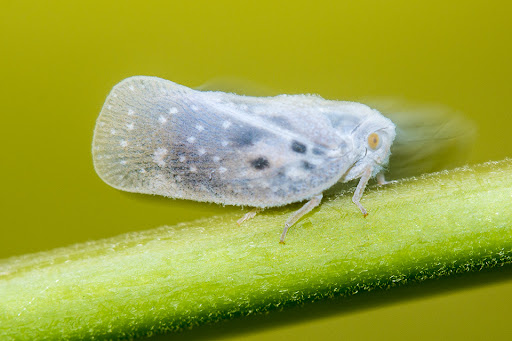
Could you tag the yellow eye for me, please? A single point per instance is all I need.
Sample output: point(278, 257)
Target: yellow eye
point(374, 141)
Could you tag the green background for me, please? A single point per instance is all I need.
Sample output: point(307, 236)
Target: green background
point(58, 61)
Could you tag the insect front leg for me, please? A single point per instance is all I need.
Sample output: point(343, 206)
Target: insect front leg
point(314, 202)
point(358, 193)
point(248, 215)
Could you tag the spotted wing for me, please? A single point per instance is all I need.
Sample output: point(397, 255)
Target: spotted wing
point(154, 136)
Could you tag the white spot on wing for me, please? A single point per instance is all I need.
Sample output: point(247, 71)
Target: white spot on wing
point(123, 143)
point(193, 107)
point(295, 173)
point(162, 119)
point(191, 139)
point(142, 171)
point(130, 112)
point(224, 143)
point(226, 124)
point(123, 162)
point(112, 131)
point(201, 151)
point(159, 155)
point(173, 110)
point(222, 170)
point(216, 159)
point(130, 126)
point(182, 158)
point(131, 87)
point(199, 127)
point(193, 169)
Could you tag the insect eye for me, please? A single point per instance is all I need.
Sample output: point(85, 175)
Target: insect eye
point(374, 141)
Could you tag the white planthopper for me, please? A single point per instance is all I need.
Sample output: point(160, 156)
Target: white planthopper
point(157, 137)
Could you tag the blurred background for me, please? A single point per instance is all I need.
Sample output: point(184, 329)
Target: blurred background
point(59, 60)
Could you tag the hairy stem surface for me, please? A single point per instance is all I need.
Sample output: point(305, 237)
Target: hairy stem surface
point(174, 277)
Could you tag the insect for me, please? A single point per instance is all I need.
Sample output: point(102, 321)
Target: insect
point(157, 137)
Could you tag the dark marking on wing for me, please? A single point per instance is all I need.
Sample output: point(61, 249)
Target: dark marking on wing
point(298, 147)
point(307, 166)
point(246, 136)
point(318, 151)
point(260, 163)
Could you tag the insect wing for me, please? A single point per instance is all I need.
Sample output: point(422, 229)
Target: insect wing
point(154, 136)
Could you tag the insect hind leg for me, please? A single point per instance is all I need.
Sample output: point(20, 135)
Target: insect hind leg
point(381, 180)
point(314, 202)
point(249, 215)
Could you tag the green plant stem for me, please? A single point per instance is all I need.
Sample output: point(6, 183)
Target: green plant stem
point(174, 277)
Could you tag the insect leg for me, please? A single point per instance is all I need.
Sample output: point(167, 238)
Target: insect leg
point(358, 193)
point(381, 180)
point(314, 202)
point(248, 215)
